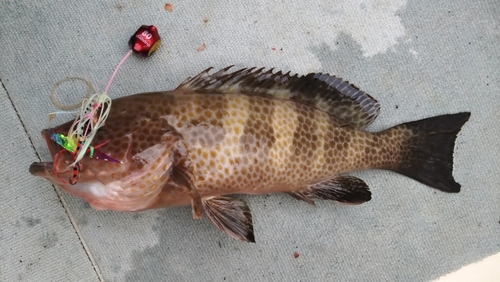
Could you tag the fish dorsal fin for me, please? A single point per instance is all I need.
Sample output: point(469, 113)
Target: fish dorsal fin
point(328, 93)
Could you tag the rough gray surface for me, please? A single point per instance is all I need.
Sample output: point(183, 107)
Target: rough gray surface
point(37, 240)
point(418, 58)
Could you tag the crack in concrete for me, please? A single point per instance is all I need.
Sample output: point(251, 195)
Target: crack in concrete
point(59, 195)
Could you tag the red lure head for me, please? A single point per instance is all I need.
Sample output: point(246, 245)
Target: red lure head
point(145, 41)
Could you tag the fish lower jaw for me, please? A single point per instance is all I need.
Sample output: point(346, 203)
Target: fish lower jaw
point(113, 196)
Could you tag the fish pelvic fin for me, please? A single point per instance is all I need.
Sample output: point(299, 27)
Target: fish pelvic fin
point(232, 216)
point(344, 102)
point(427, 155)
point(343, 189)
point(183, 177)
point(182, 174)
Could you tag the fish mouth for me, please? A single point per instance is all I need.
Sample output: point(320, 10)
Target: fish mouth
point(41, 168)
point(45, 168)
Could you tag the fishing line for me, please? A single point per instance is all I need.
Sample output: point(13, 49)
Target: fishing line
point(95, 109)
point(90, 90)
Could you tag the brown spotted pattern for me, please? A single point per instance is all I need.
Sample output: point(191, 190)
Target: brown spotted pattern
point(235, 143)
point(142, 141)
point(271, 145)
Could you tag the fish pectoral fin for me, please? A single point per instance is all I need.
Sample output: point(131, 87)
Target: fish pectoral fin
point(343, 189)
point(183, 178)
point(232, 216)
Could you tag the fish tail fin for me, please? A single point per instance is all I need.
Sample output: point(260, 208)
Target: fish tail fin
point(427, 155)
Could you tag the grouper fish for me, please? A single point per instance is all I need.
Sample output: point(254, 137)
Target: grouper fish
point(251, 131)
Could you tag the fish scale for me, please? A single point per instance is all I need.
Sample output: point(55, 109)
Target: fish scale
point(251, 131)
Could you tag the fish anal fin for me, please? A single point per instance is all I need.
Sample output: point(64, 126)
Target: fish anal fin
point(346, 103)
point(230, 215)
point(343, 189)
point(299, 195)
point(183, 178)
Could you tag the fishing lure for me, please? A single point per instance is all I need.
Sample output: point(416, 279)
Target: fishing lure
point(71, 145)
point(95, 109)
point(92, 116)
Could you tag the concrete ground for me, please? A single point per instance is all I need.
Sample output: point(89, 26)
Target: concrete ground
point(418, 58)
